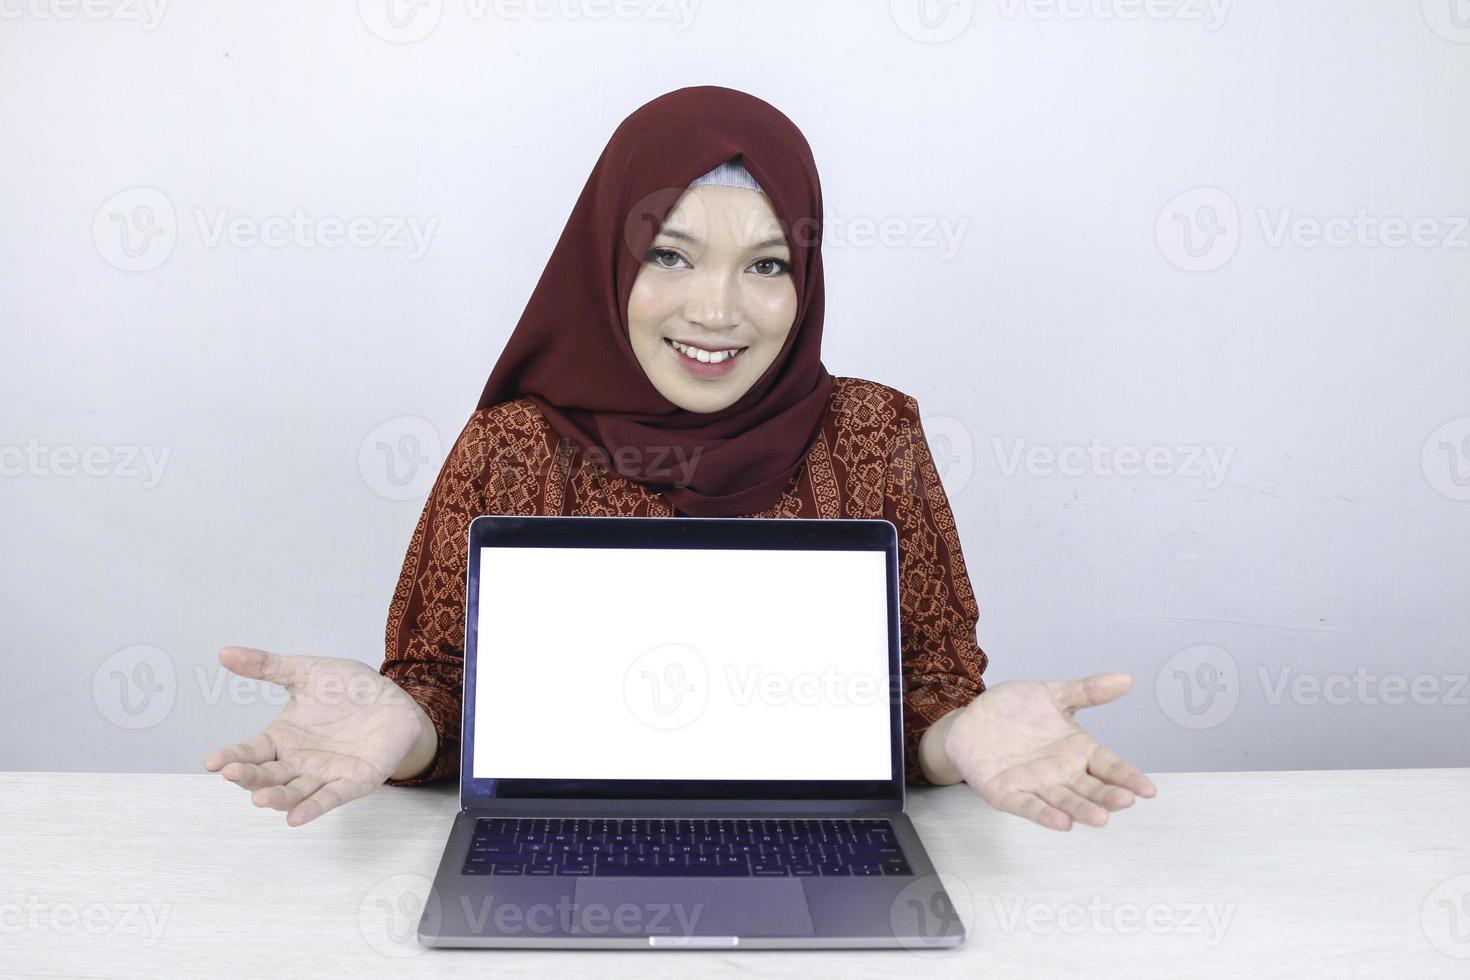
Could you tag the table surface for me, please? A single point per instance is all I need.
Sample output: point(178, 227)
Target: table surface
point(1353, 873)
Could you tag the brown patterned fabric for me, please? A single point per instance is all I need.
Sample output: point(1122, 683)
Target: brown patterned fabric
point(871, 460)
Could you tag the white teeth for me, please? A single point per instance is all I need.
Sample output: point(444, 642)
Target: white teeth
point(704, 356)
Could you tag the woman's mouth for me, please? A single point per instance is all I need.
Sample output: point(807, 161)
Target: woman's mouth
point(704, 363)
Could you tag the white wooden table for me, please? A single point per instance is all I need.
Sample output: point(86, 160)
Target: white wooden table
point(1289, 874)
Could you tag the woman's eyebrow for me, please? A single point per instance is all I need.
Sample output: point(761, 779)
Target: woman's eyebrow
point(776, 241)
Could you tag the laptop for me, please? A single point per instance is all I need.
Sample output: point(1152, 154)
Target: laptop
point(683, 733)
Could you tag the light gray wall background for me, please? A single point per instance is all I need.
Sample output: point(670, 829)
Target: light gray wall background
point(1183, 291)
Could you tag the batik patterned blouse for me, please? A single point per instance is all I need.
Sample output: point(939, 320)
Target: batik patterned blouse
point(870, 461)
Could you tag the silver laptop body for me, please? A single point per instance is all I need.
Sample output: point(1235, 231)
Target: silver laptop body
point(683, 733)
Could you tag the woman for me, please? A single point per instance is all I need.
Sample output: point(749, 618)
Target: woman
point(669, 363)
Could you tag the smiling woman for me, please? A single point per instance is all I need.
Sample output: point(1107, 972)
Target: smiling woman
point(675, 334)
point(700, 224)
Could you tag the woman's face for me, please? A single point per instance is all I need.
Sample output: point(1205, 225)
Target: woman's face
point(717, 277)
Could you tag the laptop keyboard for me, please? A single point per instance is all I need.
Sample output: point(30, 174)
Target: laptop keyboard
point(735, 848)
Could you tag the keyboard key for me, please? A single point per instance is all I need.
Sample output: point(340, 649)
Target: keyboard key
point(490, 859)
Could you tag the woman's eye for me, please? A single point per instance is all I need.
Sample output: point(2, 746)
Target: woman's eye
point(658, 255)
point(780, 267)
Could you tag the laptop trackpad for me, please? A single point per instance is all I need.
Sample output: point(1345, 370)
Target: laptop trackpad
point(676, 907)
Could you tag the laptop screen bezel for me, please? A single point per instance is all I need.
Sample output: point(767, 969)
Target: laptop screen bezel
point(530, 531)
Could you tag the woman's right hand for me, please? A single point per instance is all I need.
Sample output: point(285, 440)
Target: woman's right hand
point(346, 729)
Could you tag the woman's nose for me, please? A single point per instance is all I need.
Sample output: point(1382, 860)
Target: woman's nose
point(713, 301)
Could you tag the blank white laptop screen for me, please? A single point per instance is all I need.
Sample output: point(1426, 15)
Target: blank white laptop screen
point(665, 663)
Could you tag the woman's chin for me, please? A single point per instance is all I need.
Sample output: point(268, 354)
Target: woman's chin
point(702, 396)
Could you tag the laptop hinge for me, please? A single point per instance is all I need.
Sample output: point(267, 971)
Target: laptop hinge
point(678, 808)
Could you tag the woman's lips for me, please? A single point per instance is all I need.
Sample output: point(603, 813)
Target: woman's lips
point(702, 369)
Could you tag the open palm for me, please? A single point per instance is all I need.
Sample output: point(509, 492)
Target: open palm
point(1019, 746)
point(344, 731)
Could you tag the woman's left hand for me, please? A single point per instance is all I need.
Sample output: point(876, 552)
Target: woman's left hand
point(1019, 747)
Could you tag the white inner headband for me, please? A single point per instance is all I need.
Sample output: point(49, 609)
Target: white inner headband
point(731, 173)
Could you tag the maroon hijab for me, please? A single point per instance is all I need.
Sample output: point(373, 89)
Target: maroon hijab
point(570, 352)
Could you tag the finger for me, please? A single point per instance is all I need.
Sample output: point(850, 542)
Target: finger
point(1034, 809)
point(286, 796)
point(329, 797)
point(272, 773)
point(1072, 803)
point(1111, 769)
point(1087, 692)
point(262, 664)
point(257, 748)
point(1103, 794)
